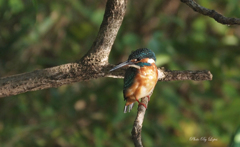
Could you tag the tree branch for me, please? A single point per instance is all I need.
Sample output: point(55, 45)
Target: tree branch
point(195, 75)
point(212, 13)
point(76, 72)
point(93, 65)
point(170, 75)
point(90, 66)
point(137, 126)
point(112, 20)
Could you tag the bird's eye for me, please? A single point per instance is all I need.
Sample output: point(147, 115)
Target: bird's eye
point(138, 59)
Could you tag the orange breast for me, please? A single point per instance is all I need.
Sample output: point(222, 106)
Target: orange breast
point(143, 84)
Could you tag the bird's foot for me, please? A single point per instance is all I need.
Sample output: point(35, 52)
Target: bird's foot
point(139, 103)
point(148, 98)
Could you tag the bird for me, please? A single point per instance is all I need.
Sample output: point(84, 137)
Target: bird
point(140, 78)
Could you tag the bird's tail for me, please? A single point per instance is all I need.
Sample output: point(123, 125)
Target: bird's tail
point(129, 107)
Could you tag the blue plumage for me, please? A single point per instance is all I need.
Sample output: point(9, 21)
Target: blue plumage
point(142, 53)
point(128, 79)
point(141, 64)
point(131, 71)
point(132, 92)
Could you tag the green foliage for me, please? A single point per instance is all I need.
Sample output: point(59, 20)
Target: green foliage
point(40, 34)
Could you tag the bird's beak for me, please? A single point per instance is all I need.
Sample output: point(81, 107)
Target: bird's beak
point(126, 63)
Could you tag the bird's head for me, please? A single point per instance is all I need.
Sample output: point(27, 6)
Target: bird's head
point(142, 55)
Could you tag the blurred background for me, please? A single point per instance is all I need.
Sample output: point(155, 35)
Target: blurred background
point(41, 34)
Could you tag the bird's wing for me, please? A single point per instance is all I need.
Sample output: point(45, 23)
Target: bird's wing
point(128, 79)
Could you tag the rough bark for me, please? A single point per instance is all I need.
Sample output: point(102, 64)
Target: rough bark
point(93, 65)
point(112, 20)
point(211, 13)
point(76, 72)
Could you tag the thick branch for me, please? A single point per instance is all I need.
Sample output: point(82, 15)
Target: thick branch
point(76, 72)
point(93, 65)
point(46, 78)
point(90, 66)
point(211, 13)
point(113, 17)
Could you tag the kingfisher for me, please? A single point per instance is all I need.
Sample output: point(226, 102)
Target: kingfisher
point(140, 78)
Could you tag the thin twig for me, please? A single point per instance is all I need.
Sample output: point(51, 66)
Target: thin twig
point(137, 126)
point(212, 13)
point(170, 75)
